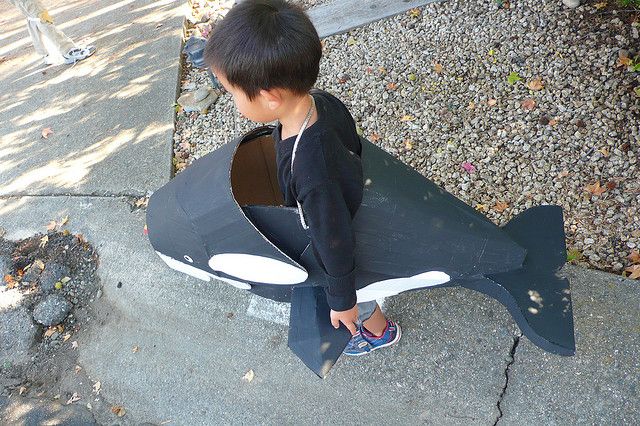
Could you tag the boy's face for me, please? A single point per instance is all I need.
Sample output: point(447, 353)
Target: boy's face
point(259, 109)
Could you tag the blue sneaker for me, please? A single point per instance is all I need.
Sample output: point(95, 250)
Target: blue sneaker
point(363, 342)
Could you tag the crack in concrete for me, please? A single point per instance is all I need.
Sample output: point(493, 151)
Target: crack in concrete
point(512, 359)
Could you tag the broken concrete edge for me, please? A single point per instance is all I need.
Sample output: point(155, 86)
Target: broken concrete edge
point(179, 74)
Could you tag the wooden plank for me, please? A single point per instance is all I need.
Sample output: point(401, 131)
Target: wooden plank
point(344, 15)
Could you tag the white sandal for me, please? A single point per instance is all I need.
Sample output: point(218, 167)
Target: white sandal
point(79, 53)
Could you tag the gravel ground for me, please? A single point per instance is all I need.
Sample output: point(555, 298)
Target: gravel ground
point(440, 100)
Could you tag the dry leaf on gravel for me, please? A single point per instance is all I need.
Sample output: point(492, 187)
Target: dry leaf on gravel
point(66, 337)
point(438, 68)
point(500, 206)
point(595, 188)
point(50, 331)
point(118, 410)
point(604, 152)
point(600, 5)
point(414, 13)
point(374, 137)
point(9, 279)
point(407, 117)
point(634, 272)
point(46, 132)
point(528, 104)
point(624, 61)
point(408, 144)
point(535, 84)
point(553, 121)
point(248, 377)
point(492, 102)
point(481, 207)
point(611, 185)
point(471, 106)
point(392, 86)
point(634, 257)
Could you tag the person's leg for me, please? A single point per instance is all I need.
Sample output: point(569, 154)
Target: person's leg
point(375, 331)
point(59, 42)
point(32, 26)
point(377, 322)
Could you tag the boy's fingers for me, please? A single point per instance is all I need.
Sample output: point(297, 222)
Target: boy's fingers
point(351, 326)
point(335, 323)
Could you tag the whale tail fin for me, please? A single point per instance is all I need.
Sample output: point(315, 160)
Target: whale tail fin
point(537, 298)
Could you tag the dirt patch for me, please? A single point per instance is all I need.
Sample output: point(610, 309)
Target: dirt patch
point(49, 281)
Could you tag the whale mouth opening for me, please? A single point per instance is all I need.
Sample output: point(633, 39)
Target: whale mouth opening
point(254, 174)
point(259, 269)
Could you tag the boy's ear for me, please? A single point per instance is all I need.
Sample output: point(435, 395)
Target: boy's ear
point(272, 98)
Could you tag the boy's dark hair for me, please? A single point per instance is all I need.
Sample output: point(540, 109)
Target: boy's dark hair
point(265, 44)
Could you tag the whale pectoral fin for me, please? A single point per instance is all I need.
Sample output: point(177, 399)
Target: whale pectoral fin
point(540, 303)
point(311, 336)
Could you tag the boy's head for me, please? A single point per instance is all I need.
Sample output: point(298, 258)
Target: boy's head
point(262, 46)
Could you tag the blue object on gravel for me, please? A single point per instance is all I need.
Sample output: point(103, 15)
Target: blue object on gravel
point(194, 49)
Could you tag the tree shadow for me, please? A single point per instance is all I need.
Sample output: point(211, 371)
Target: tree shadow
point(111, 114)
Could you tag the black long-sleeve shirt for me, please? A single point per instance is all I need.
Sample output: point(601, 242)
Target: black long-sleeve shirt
point(327, 181)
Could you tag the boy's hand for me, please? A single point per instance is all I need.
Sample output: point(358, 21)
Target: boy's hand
point(44, 16)
point(348, 318)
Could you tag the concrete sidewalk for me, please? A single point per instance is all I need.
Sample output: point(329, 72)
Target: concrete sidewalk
point(461, 360)
point(111, 115)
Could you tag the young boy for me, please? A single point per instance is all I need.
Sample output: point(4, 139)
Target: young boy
point(266, 53)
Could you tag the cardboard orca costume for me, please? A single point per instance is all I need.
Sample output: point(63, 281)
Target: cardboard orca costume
point(222, 219)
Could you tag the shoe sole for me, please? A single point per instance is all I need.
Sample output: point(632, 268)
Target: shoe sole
point(394, 341)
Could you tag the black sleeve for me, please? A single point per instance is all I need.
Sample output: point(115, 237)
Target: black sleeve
point(333, 240)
